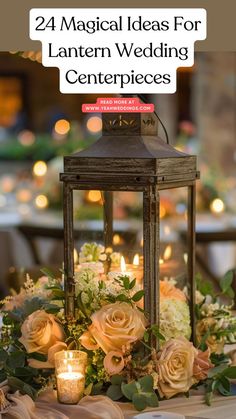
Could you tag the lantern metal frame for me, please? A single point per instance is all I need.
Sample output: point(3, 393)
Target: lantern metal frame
point(129, 156)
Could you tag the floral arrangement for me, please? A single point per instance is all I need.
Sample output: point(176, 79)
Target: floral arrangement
point(112, 327)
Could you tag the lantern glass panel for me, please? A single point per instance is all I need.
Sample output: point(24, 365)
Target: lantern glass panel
point(173, 232)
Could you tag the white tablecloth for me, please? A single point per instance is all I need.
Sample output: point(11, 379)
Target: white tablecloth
point(100, 407)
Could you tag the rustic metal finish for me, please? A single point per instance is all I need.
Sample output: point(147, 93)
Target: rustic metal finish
point(108, 218)
point(130, 156)
point(69, 251)
point(191, 254)
point(151, 253)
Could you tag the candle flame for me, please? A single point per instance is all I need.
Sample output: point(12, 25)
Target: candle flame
point(69, 368)
point(186, 258)
point(122, 264)
point(141, 242)
point(136, 260)
point(161, 261)
point(167, 253)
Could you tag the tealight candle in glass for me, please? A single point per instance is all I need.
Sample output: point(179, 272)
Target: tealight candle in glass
point(70, 369)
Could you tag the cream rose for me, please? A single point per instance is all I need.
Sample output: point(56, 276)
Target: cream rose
point(116, 326)
point(40, 331)
point(175, 367)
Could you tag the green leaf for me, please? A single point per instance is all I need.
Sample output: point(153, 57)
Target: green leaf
point(230, 292)
point(117, 379)
point(155, 331)
point(146, 383)
point(132, 284)
point(3, 376)
point(138, 295)
point(230, 372)
point(129, 389)
point(208, 398)
point(122, 297)
point(205, 287)
point(216, 370)
point(224, 386)
point(226, 281)
point(97, 388)
point(114, 392)
point(146, 336)
point(125, 282)
point(59, 293)
point(139, 401)
point(26, 372)
point(38, 356)
point(51, 308)
point(16, 359)
point(81, 304)
point(47, 273)
point(3, 355)
point(152, 400)
point(88, 389)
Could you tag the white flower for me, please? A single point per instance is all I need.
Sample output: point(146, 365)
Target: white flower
point(92, 252)
point(174, 319)
point(87, 283)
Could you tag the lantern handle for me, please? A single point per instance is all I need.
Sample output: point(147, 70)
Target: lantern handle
point(142, 97)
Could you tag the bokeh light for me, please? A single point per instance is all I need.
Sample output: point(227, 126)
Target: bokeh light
point(40, 168)
point(41, 201)
point(217, 206)
point(62, 127)
point(94, 196)
point(23, 195)
point(94, 124)
point(26, 138)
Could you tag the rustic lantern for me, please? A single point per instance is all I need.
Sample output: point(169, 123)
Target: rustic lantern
point(129, 156)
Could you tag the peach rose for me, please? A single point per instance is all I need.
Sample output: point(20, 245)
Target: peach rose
point(88, 341)
point(168, 290)
point(114, 362)
point(175, 367)
point(40, 331)
point(50, 363)
point(116, 326)
point(202, 364)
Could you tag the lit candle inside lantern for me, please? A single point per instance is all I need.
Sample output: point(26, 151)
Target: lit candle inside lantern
point(168, 266)
point(70, 375)
point(124, 270)
point(133, 270)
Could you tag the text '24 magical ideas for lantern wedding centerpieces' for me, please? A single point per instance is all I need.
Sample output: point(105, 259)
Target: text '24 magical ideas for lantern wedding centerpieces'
point(117, 50)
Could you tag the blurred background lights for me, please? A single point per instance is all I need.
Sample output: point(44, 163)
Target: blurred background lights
point(23, 195)
point(62, 127)
point(41, 201)
point(7, 184)
point(217, 206)
point(26, 138)
point(94, 124)
point(94, 196)
point(3, 201)
point(40, 168)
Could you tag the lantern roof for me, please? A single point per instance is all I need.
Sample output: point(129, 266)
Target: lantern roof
point(130, 144)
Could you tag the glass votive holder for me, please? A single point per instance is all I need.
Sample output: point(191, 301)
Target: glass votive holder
point(70, 369)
